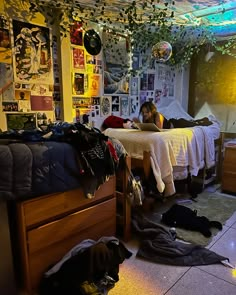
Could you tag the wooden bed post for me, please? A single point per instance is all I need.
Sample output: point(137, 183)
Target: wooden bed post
point(146, 164)
point(126, 204)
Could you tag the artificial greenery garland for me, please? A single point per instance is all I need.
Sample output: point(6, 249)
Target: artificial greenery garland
point(146, 24)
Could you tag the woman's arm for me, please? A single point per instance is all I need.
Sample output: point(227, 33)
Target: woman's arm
point(159, 119)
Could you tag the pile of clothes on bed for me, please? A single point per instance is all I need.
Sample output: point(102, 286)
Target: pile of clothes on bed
point(64, 157)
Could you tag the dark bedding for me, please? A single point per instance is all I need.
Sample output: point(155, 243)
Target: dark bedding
point(68, 156)
point(37, 168)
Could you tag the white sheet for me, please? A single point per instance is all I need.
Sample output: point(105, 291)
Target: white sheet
point(180, 147)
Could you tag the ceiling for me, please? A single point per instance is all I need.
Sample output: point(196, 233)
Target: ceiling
point(220, 15)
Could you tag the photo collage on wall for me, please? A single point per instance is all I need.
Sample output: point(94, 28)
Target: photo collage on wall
point(86, 74)
point(31, 79)
point(147, 86)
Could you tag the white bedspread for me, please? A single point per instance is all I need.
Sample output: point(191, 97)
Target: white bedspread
point(190, 148)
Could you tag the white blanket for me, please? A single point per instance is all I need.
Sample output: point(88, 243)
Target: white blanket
point(190, 148)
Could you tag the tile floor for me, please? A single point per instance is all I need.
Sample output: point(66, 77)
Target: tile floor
point(145, 278)
point(140, 277)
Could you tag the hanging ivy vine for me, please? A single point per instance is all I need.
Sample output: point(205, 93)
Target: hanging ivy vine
point(146, 24)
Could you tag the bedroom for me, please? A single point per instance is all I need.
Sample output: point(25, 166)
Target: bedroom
point(68, 101)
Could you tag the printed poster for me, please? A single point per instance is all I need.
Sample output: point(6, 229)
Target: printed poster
point(76, 34)
point(134, 86)
point(6, 82)
point(105, 106)
point(5, 41)
point(22, 94)
point(78, 84)
point(9, 106)
point(115, 107)
point(78, 58)
point(94, 85)
point(116, 65)
point(41, 103)
point(32, 59)
point(124, 106)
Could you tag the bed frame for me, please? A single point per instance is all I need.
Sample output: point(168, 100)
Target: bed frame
point(47, 227)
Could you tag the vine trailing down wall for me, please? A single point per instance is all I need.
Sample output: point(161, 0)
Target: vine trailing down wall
point(145, 23)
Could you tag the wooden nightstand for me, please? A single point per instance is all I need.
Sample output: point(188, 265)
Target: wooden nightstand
point(225, 136)
point(229, 170)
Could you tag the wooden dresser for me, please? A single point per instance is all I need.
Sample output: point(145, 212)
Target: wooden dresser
point(229, 170)
point(49, 226)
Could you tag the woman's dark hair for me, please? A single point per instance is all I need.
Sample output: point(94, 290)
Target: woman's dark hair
point(150, 108)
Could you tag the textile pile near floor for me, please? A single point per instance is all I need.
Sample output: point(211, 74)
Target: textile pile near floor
point(211, 205)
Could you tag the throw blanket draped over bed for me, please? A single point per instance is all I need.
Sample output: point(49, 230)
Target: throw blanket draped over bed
point(189, 148)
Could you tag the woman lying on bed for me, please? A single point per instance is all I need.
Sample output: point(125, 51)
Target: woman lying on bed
point(149, 114)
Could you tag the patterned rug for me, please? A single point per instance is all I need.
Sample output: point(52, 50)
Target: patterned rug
point(215, 206)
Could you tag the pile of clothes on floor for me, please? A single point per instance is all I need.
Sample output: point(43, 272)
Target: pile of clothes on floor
point(89, 268)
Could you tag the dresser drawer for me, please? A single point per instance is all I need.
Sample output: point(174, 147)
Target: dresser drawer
point(39, 210)
point(71, 225)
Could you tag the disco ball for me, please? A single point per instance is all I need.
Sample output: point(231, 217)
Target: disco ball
point(162, 51)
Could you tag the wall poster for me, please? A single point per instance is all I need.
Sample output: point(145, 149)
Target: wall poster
point(5, 41)
point(105, 106)
point(116, 63)
point(32, 59)
point(78, 58)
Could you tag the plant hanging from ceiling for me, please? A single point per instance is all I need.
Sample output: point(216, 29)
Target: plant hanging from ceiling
point(146, 23)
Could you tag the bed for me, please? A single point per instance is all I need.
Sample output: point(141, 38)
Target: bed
point(172, 154)
point(52, 205)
